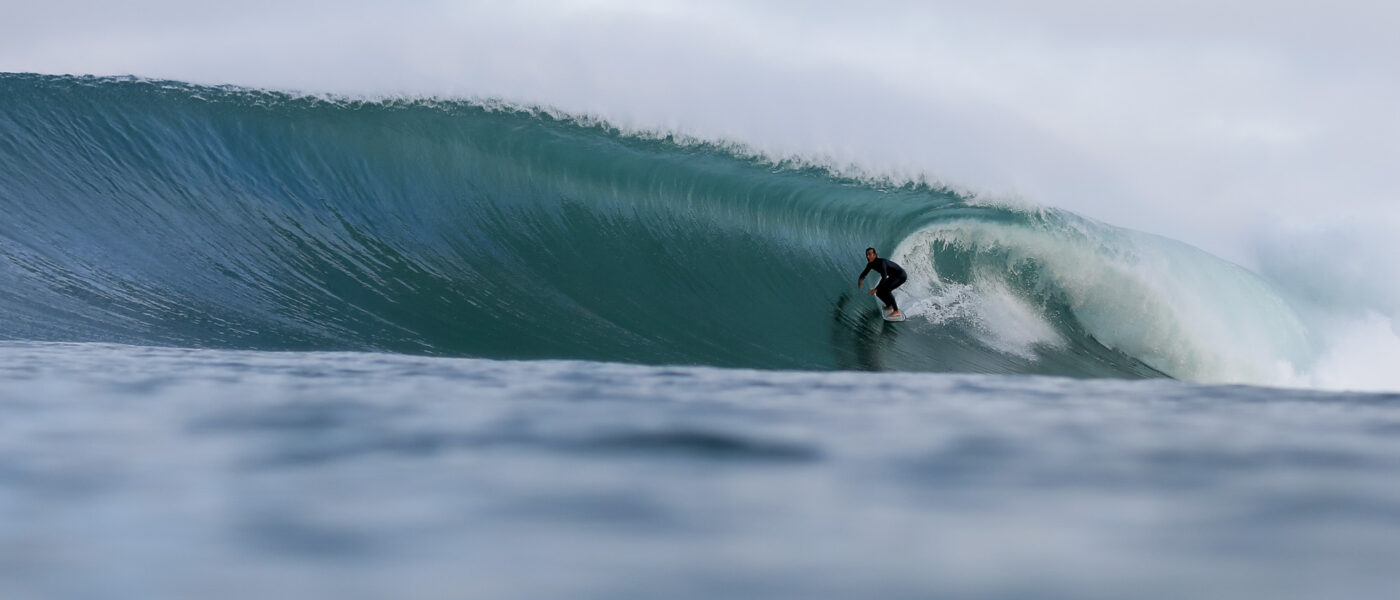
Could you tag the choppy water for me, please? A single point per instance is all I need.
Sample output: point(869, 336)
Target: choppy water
point(139, 472)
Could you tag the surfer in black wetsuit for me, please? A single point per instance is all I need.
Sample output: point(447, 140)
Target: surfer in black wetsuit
point(891, 277)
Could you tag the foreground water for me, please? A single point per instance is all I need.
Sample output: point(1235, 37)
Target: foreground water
point(137, 472)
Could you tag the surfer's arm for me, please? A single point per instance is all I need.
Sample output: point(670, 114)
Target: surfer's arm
point(860, 281)
point(879, 267)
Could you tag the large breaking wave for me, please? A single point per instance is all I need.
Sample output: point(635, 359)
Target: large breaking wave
point(164, 213)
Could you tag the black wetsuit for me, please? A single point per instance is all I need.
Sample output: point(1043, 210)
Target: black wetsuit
point(891, 277)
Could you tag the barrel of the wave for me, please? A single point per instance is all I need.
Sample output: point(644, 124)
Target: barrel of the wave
point(1048, 279)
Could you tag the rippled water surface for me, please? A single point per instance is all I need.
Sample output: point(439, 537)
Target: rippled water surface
point(134, 472)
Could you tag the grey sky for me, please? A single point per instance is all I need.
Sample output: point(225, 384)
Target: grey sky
point(1149, 115)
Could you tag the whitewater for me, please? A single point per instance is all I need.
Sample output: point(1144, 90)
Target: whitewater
point(557, 300)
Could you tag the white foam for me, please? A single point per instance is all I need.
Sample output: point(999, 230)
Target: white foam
point(1174, 307)
point(1006, 321)
point(1343, 274)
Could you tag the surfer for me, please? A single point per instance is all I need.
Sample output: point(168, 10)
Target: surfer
point(891, 277)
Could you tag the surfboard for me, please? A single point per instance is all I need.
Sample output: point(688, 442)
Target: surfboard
point(881, 304)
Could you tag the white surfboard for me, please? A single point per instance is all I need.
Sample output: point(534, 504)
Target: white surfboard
point(881, 303)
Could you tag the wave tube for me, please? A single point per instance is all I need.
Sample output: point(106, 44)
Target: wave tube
point(168, 214)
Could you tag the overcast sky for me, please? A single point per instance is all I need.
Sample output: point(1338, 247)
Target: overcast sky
point(1262, 131)
point(1199, 120)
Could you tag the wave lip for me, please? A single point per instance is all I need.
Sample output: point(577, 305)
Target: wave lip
point(1046, 276)
point(162, 213)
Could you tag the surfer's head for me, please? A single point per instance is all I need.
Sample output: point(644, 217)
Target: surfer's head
point(870, 255)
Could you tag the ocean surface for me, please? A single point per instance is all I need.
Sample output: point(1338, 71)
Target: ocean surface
point(259, 344)
point(138, 472)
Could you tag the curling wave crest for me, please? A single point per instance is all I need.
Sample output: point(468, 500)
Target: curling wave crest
point(162, 213)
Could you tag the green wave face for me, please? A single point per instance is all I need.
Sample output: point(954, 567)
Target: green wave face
point(169, 214)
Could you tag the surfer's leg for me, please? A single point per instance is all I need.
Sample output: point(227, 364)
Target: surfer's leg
point(883, 293)
point(887, 294)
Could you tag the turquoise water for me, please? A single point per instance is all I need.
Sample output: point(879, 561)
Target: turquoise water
point(255, 344)
point(160, 213)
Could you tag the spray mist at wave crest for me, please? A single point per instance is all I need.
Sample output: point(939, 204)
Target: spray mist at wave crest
point(1043, 276)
